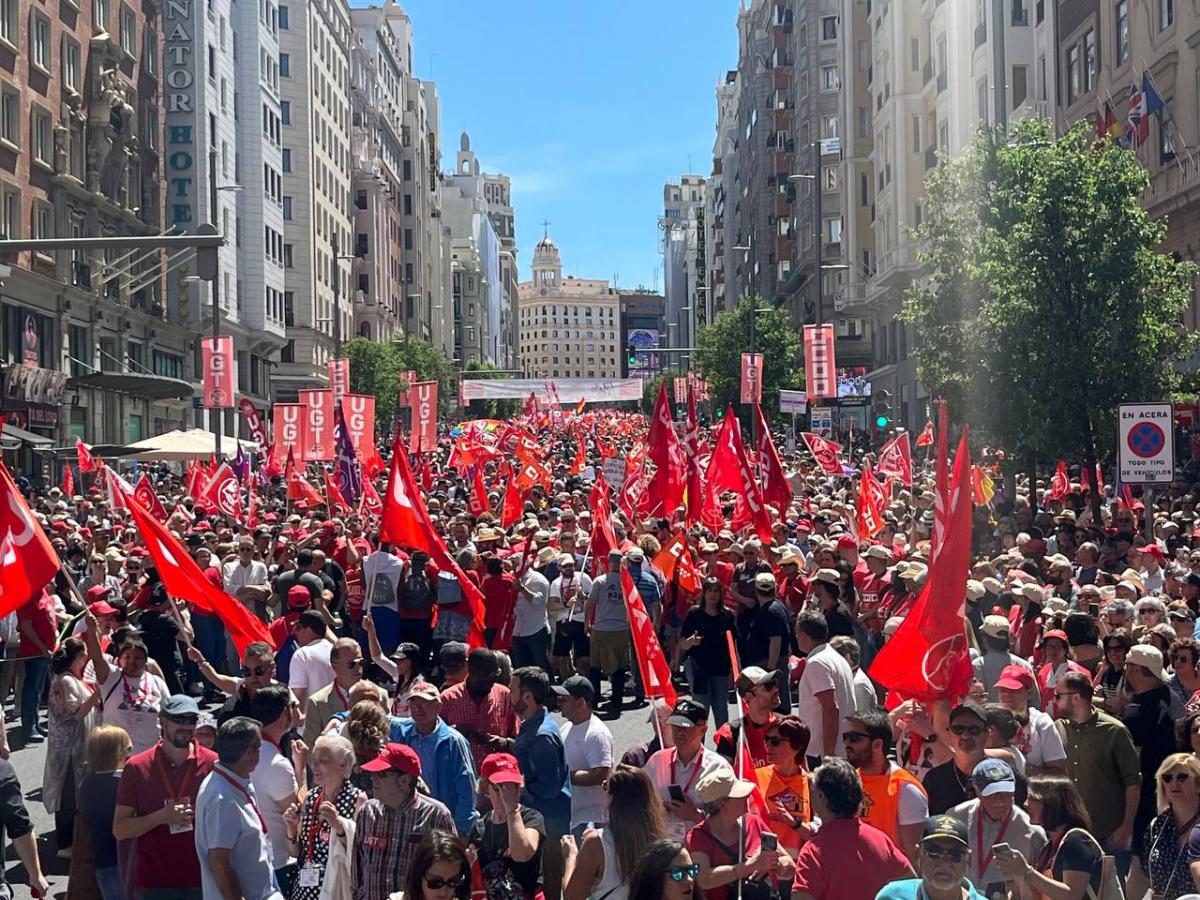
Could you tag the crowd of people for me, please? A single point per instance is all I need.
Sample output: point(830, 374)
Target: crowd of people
point(367, 750)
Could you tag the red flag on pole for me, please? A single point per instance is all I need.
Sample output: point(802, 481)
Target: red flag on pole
point(925, 438)
point(729, 469)
point(184, 580)
point(1060, 484)
point(691, 446)
point(665, 490)
point(676, 563)
point(333, 496)
point(603, 538)
point(27, 561)
point(223, 494)
point(477, 503)
point(87, 462)
point(68, 484)
point(928, 658)
point(871, 504)
point(145, 494)
point(941, 494)
point(825, 452)
point(775, 487)
point(652, 662)
point(371, 503)
point(513, 505)
point(895, 459)
point(298, 487)
point(405, 521)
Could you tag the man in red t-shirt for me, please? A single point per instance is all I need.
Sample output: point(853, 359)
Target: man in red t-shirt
point(499, 598)
point(156, 802)
point(39, 639)
point(759, 689)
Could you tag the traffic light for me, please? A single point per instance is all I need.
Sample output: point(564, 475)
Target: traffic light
point(631, 354)
point(883, 409)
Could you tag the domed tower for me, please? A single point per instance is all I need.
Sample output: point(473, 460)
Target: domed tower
point(547, 264)
point(466, 164)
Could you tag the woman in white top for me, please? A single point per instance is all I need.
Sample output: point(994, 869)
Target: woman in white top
point(404, 666)
point(71, 717)
point(600, 869)
point(130, 695)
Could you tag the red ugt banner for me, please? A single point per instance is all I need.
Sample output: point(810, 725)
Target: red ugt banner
point(254, 422)
point(218, 371)
point(819, 365)
point(752, 377)
point(423, 398)
point(318, 440)
point(339, 378)
point(407, 379)
point(359, 410)
point(289, 435)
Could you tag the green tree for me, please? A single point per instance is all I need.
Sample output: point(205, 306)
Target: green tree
point(375, 369)
point(1048, 302)
point(489, 409)
point(720, 347)
point(650, 388)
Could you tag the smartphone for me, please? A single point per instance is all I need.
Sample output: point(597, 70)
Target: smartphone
point(1093, 610)
point(1002, 849)
point(769, 842)
point(676, 793)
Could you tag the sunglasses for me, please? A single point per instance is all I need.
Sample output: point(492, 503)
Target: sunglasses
point(354, 663)
point(183, 720)
point(973, 730)
point(946, 854)
point(438, 884)
point(679, 873)
point(774, 740)
point(849, 737)
point(1172, 777)
point(258, 671)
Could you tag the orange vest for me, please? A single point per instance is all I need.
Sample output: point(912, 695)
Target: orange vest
point(785, 795)
point(881, 798)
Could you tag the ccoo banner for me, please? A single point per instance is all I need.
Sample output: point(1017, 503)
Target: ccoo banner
point(218, 371)
point(339, 378)
point(318, 437)
point(288, 431)
point(423, 398)
point(752, 377)
point(359, 410)
point(819, 366)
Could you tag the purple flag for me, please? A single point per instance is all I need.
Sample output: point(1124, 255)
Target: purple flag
point(241, 464)
point(345, 465)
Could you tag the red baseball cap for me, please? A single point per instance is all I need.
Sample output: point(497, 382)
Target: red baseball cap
point(847, 542)
point(501, 768)
point(1015, 678)
point(400, 757)
point(102, 608)
point(1152, 549)
point(1052, 634)
point(299, 597)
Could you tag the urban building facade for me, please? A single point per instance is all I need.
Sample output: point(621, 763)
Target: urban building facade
point(569, 326)
point(642, 322)
point(685, 282)
point(721, 295)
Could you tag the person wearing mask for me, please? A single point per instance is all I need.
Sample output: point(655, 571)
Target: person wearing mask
point(943, 857)
point(107, 750)
point(231, 833)
point(480, 708)
point(390, 827)
point(605, 860)
point(844, 843)
point(704, 650)
point(759, 690)
point(1102, 761)
point(510, 840)
point(895, 801)
point(588, 748)
point(949, 784)
point(539, 751)
point(274, 777)
point(1037, 738)
point(446, 763)
point(440, 864)
point(764, 628)
point(676, 770)
point(156, 801)
point(346, 661)
point(608, 622)
point(826, 689)
point(996, 657)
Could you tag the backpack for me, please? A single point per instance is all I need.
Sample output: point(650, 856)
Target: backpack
point(1110, 882)
point(416, 592)
point(449, 591)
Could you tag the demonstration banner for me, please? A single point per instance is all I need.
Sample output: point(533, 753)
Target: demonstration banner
point(217, 364)
point(288, 431)
point(339, 378)
point(317, 426)
point(423, 398)
point(254, 422)
point(359, 410)
point(407, 379)
point(820, 373)
point(752, 377)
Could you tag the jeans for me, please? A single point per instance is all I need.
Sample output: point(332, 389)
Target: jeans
point(37, 673)
point(532, 650)
point(210, 639)
point(711, 690)
point(111, 885)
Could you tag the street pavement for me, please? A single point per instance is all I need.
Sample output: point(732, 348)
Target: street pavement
point(632, 728)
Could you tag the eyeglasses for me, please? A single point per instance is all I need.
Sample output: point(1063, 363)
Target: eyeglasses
point(182, 720)
point(973, 730)
point(354, 663)
point(258, 671)
point(774, 740)
point(679, 873)
point(438, 884)
point(1172, 777)
point(947, 854)
point(849, 737)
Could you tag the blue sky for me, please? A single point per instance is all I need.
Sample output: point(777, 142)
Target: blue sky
point(588, 106)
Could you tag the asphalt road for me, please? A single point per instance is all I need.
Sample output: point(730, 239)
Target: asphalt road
point(633, 727)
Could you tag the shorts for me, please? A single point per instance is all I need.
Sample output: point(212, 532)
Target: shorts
point(610, 650)
point(571, 637)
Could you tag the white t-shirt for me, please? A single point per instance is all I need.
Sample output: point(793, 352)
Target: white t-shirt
point(577, 590)
point(826, 669)
point(913, 804)
point(311, 669)
point(588, 746)
point(1045, 744)
point(274, 782)
point(530, 615)
point(664, 770)
point(134, 704)
point(386, 568)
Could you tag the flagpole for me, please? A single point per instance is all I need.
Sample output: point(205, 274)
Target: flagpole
point(741, 744)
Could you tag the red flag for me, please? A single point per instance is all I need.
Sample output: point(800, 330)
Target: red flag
point(928, 658)
point(298, 487)
point(1060, 484)
point(775, 488)
point(603, 538)
point(27, 561)
point(196, 480)
point(925, 438)
point(184, 580)
point(691, 446)
point(477, 503)
point(251, 504)
point(825, 452)
point(665, 490)
point(652, 662)
point(371, 503)
point(144, 494)
point(68, 485)
point(580, 462)
point(405, 521)
point(895, 458)
point(871, 504)
point(426, 473)
point(729, 469)
point(631, 498)
point(676, 563)
point(223, 494)
point(941, 493)
point(333, 496)
point(87, 462)
point(514, 504)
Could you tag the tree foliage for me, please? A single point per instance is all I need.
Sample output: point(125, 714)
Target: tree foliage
point(1047, 302)
point(650, 387)
point(375, 369)
point(720, 347)
point(489, 409)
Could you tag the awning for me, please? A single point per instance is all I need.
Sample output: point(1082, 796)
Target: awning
point(13, 437)
point(194, 443)
point(135, 384)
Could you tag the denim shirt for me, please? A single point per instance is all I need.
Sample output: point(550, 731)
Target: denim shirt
point(446, 765)
point(543, 761)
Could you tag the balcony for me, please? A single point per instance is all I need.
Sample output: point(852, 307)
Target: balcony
point(980, 33)
point(927, 72)
point(941, 81)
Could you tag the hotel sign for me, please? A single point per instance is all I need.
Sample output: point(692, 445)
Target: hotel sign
point(179, 78)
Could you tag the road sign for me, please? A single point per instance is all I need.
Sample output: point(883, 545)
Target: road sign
point(820, 421)
point(1145, 443)
point(794, 402)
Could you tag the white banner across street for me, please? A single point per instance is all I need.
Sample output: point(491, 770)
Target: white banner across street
point(552, 390)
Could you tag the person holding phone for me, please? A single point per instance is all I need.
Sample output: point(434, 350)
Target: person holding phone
point(677, 770)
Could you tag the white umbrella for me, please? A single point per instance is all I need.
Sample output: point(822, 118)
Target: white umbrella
point(194, 443)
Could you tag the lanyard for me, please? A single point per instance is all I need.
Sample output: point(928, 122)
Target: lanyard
point(341, 695)
point(143, 690)
point(695, 769)
point(315, 826)
point(987, 860)
point(176, 793)
point(246, 794)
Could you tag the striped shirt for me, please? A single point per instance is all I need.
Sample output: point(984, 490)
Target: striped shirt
point(385, 840)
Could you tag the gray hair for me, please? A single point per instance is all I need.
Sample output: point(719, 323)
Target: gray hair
point(847, 646)
point(1121, 607)
point(339, 748)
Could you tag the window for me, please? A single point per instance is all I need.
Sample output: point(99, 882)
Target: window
point(864, 122)
point(43, 142)
point(287, 353)
point(829, 28)
point(10, 212)
point(287, 256)
point(1121, 32)
point(100, 15)
point(833, 230)
point(287, 159)
point(914, 53)
point(981, 102)
point(150, 51)
point(128, 31)
point(41, 42)
point(283, 17)
point(1073, 82)
point(1020, 12)
point(70, 64)
point(289, 308)
point(829, 78)
point(8, 21)
point(916, 134)
point(287, 208)
point(285, 65)
point(80, 350)
point(1166, 14)
point(1020, 85)
point(829, 126)
point(167, 364)
point(285, 111)
point(43, 221)
point(1089, 60)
